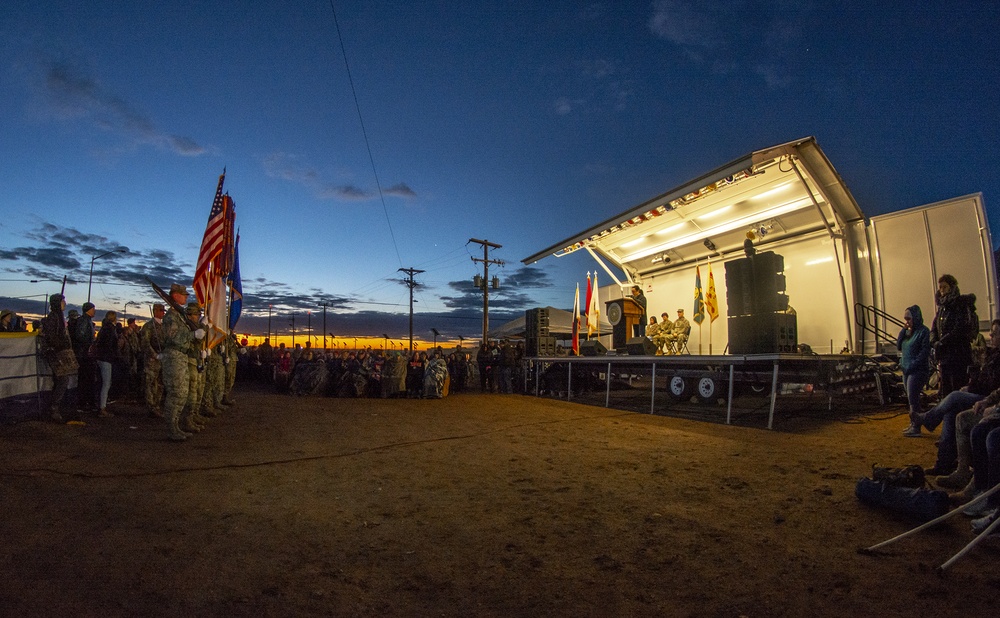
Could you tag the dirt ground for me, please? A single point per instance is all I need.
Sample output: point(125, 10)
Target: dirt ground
point(481, 505)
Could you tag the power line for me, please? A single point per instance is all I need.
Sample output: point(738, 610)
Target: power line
point(364, 132)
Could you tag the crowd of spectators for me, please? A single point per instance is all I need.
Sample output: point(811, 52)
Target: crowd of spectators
point(496, 367)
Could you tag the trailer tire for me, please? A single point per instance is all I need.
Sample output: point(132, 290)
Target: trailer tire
point(709, 388)
point(679, 387)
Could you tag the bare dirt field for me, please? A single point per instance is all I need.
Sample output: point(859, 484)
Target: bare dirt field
point(474, 505)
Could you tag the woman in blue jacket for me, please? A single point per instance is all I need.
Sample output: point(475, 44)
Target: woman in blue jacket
point(914, 342)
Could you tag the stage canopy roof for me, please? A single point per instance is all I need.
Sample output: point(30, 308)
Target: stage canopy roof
point(786, 190)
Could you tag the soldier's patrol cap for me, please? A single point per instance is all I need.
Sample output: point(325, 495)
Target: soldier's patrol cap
point(176, 288)
point(73, 313)
point(159, 307)
point(193, 308)
point(56, 298)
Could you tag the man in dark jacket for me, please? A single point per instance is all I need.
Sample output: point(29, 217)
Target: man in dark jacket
point(955, 326)
point(83, 338)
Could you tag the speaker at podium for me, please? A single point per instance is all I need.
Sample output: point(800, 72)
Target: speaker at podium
point(640, 346)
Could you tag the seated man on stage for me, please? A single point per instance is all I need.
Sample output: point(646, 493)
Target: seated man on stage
point(678, 334)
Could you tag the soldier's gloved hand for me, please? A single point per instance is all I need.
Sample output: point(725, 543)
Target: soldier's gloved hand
point(222, 349)
point(199, 334)
point(159, 356)
point(203, 319)
point(204, 354)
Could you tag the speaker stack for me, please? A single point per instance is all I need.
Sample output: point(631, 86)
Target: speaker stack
point(537, 341)
point(755, 306)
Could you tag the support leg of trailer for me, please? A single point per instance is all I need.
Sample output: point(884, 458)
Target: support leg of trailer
point(729, 410)
point(774, 395)
point(569, 381)
point(607, 387)
point(652, 393)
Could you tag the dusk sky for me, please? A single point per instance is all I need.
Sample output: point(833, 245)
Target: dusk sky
point(516, 122)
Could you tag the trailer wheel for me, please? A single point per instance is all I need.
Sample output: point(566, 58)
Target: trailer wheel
point(709, 388)
point(679, 388)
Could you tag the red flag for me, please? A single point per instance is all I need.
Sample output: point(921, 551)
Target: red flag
point(586, 305)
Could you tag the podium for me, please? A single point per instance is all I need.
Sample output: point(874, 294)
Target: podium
point(624, 314)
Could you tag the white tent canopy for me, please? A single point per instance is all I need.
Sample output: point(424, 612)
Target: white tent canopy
point(560, 326)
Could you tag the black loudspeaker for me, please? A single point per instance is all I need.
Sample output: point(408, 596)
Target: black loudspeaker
point(640, 346)
point(540, 346)
point(536, 323)
point(592, 348)
point(764, 333)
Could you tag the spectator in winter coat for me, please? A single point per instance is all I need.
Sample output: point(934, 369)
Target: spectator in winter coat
point(107, 352)
point(914, 344)
point(955, 326)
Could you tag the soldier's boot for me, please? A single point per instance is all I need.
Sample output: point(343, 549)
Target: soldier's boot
point(155, 412)
point(189, 424)
point(227, 400)
point(173, 429)
point(208, 411)
point(199, 420)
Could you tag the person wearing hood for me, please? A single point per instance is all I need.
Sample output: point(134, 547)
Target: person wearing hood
point(915, 347)
point(954, 327)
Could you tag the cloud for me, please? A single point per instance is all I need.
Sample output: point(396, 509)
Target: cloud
point(603, 83)
point(346, 193)
point(723, 36)
point(76, 96)
point(289, 167)
point(401, 190)
point(682, 24)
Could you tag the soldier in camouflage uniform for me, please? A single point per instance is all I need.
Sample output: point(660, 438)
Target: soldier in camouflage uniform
point(151, 346)
point(178, 340)
point(215, 378)
point(192, 421)
point(233, 358)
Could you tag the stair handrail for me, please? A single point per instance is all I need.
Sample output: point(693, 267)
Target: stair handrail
point(868, 318)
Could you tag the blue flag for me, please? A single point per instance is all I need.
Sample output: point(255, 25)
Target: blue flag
point(236, 285)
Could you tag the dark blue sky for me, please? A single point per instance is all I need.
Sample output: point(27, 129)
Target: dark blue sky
point(517, 122)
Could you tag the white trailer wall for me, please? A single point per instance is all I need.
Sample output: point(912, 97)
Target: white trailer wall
point(813, 287)
point(916, 246)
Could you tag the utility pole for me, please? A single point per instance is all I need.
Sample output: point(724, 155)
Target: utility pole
point(485, 284)
point(410, 283)
point(325, 305)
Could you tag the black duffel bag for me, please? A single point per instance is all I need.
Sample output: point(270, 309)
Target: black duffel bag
point(897, 490)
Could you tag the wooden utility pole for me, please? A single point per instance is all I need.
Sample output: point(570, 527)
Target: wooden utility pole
point(410, 283)
point(486, 280)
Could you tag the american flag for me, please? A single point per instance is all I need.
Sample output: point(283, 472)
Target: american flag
point(216, 246)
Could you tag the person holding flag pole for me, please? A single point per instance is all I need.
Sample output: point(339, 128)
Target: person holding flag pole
point(711, 304)
point(699, 304)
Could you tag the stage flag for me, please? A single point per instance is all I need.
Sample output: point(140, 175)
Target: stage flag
point(711, 300)
point(699, 301)
point(594, 311)
point(236, 285)
point(590, 291)
point(576, 322)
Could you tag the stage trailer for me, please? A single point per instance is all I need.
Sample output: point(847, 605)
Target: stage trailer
point(789, 199)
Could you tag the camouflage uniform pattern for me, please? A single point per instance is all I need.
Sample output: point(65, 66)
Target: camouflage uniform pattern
point(177, 343)
point(215, 378)
point(151, 345)
point(192, 419)
point(233, 354)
